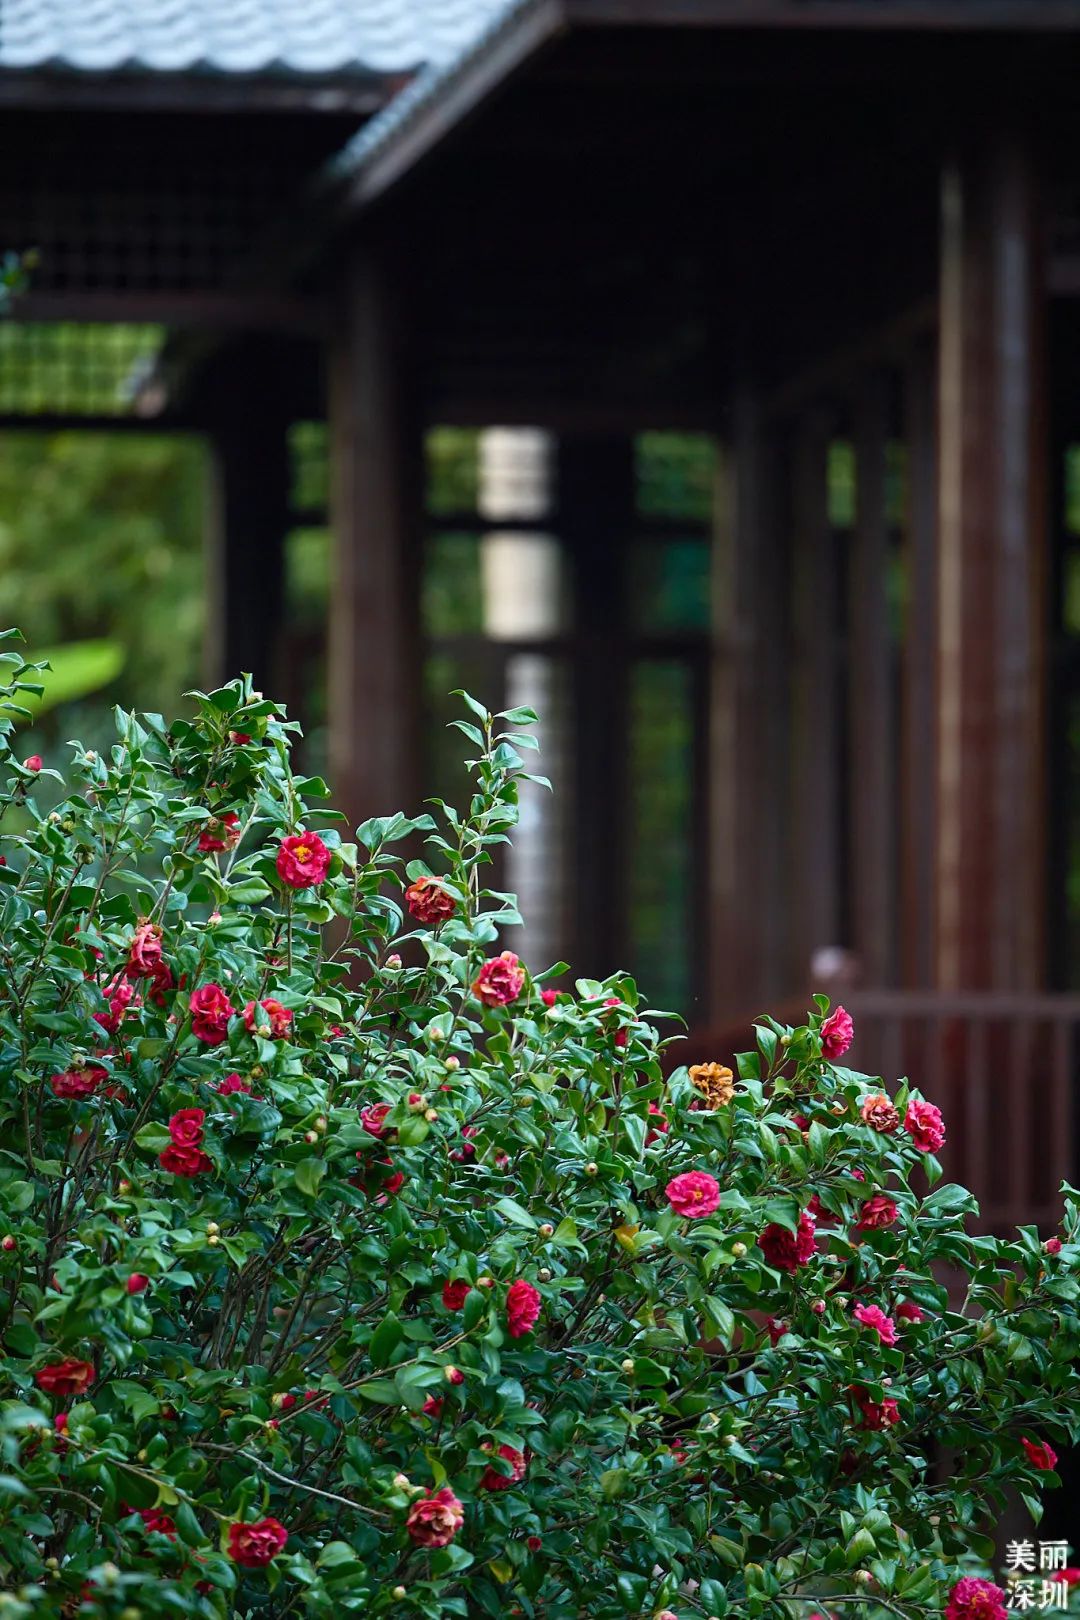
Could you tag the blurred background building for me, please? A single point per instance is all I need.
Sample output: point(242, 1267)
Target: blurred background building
point(703, 373)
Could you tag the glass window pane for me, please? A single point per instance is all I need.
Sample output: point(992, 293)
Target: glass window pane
point(452, 469)
point(675, 475)
point(661, 843)
point(669, 586)
point(451, 592)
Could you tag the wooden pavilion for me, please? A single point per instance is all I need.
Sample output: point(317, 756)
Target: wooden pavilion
point(836, 240)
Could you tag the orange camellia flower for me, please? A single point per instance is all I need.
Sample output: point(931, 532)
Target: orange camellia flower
point(878, 1112)
point(714, 1081)
point(429, 902)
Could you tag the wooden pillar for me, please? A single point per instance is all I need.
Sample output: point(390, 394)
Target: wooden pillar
point(918, 712)
point(246, 527)
point(751, 953)
point(872, 784)
point(375, 654)
point(595, 501)
point(815, 697)
point(992, 542)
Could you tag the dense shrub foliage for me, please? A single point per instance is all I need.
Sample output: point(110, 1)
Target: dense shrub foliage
point(347, 1266)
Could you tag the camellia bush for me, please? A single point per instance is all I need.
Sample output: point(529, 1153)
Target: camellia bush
point(348, 1265)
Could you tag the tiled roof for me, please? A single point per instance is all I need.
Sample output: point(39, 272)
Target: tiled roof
point(238, 36)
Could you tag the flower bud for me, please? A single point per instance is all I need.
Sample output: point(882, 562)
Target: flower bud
point(453, 1375)
point(485, 1282)
point(628, 1367)
point(591, 1168)
point(818, 1307)
point(451, 1063)
point(321, 1124)
point(431, 1115)
point(728, 1440)
point(417, 1101)
point(212, 1228)
point(52, 1563)
point(123, 1187)
point(435, 1033)
point(864, 1577)
point(544, 1275)
point(393, 961)
point(398, 1592)
point(213, 1238)
point(8, 1243)
point(738, 1250)
point(141, 1455)
point(546, 1229)
point(402, 1482)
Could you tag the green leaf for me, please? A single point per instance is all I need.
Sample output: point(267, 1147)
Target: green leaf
point(153, 1138)
point(516, 1213)
point(308, 1176)
point(649, 1374)
point(385, 1339)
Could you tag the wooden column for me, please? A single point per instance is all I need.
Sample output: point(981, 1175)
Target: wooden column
point(992, 543)
point(872, 784)
point(750, 953)
point(246, 527)
point(375, 654)
point(815, 697)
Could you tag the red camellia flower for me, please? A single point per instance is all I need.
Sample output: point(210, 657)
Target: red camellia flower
point(186, 1126)
point(877, 1414)
point(253, 1545)
point(373, 1116)
point(435, 1518)
point(69, 1377)
point(144, 952)
point(522, 1308)
point(75, 1084)
point(499, 981)
point(220, 833)
point(620, 1034)
point(232, 1084)
point(120, 995)
point(433, 1406)
point(492, 1480)
point(659, 1126)
point(454, 1294)
point(872, 1316)
point(429, 902)
point(1070, 1575)
point(275, 1017)
point(154, 1519)
point(785, 1250)
point(211, 1010)
point(549, 997)
point(837, 1034)
point(137, 1282)
point(908, 1311)
point(161, 983)
point(775, 1330)
point(185, 1161)
point(303, 860)
point(1039, 1454)
point(533, 1543)
point(33, 762)
point(693, 1194)
point(925, 1126)
point(878, 1112)
point(877, 1212)
point(975, 1599)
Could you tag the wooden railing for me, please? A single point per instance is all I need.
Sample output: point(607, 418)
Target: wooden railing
point(1003, 1069)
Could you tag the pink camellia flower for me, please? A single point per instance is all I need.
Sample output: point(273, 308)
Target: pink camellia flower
point(429, 902)
point(876, 1213)
point(373, 1117)
point(435, 1518)
point(33, 762)
point(549, 997)
point(620, 1034)
point(137, 1282)
point(211, 1010)
point(144, 952)
point(522, 1307)
point(785, 1250)
point(220, 833)
point(454, 1294)
point(274, 1017)
point(232, 1084)
point(878, 1112)
point(492, 1480)
point(303, 860)
point(872, 1316)
point(75, 1084)
point(659, 1125)
point(1052, 1246)
point(500, 980)
point(837, 1034)
point(239, 739)
point(1040, 1454)
point(908, 1311)
point(877, 1414)
point(975, 1599)
point(186, 1126)
point(120, 996)
point(433, 1406)
point(693, 1194)
point(1070, 1575)
point(60, 1422)
point(925, 1126)
point(254, 1545)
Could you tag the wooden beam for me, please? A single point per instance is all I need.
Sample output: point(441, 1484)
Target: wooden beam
point(992, 546)
point(934, 16)
point(376, 503)
point(242, 310)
